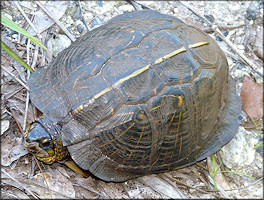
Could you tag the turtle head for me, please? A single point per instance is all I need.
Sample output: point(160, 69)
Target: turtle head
point(43, 140)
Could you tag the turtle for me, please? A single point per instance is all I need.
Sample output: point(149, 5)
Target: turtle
point(144, 93)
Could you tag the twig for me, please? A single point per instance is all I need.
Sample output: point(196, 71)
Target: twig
point(35, 57)
point(219, 188)
point(144, 5)
point(136, 5)
point(56, 20)
point(83, 20)
point(26, 107)
point(199, 165)
point(28, 20)
point(223, 28)
point(27, 98)
point(90, 189)
point(165, 178)
point(14, 77)
point(31, 193)
point(198, 175)
point(228, 42)
point(179, 182)
point(45, 179)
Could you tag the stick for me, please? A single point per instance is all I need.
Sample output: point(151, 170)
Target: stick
point(14, 77)
point(56, 20)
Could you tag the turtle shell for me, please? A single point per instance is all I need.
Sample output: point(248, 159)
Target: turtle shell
point(144, 93)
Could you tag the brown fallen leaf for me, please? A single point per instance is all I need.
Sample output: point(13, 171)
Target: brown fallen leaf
point(252, 98)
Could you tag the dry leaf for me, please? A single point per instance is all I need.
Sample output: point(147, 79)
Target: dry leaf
point(161, 186)
point(42, 21)
point(252, 98)
point(4, 126)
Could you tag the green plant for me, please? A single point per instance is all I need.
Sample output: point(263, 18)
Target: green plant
point(10, 24)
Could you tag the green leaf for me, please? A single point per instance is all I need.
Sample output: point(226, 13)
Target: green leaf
point(10, 24)
point(15, 56)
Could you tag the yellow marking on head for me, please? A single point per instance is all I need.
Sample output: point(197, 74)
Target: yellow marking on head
point(180, 101)
point(157, 107)
point(117, 136)
point(180, 147)
point(201, 92)
point(137, 72)
point(130, 154)
point(178, 128)
point(129, 113)
point(141, 116)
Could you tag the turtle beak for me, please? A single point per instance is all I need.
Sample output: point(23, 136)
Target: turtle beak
point(33, 148)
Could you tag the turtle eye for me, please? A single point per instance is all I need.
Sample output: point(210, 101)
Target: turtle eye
point(46, 145)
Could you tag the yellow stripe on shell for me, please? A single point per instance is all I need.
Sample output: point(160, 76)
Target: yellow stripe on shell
point(140, 71)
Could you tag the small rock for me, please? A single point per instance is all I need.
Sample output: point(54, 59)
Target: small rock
point(60, 43)
point(240, 66)
point(126, 8)
point(99, 3)
point(77, 14)
point(240, 152)
point(251, 14)
point(88, 16)
point(210, 18)
point(19, 17)
point(97, 21)
point(80, 28)
point(240, 47)
point(225, 33)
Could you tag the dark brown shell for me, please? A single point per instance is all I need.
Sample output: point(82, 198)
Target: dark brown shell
point(129, 107)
